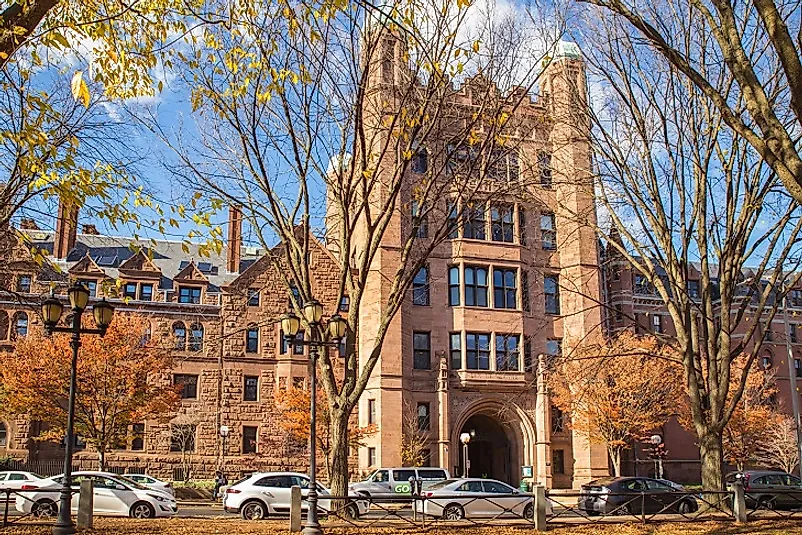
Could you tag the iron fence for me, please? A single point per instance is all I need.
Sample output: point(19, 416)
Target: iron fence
point(32, 507)
point(541, 510)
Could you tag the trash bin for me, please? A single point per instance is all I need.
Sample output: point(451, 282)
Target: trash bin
point(524, 486)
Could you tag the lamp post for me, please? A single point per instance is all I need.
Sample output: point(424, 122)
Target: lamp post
point(290, 325)
point(465, 438)
point(103, 313)
point(224, 432)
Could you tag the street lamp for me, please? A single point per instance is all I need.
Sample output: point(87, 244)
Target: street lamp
point(52, 308)
point(465, 438)
point(290, 325)
point(224, 432)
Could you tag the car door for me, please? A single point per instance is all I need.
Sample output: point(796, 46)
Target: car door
point(496, 505)
point(401, 484)
point(470, 498)
point(793, 487)
point(381, 482)
point(276, 492)
point(659, 496)
point(633, 488)
point(111, 496)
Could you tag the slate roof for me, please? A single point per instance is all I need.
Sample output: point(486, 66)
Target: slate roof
point(108, 252)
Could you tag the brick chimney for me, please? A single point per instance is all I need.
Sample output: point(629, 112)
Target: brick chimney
point(234, 238)
point(89, 229)
point(66, 229)
point(28, 224)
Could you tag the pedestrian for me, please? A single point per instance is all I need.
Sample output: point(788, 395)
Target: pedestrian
point(219, 482)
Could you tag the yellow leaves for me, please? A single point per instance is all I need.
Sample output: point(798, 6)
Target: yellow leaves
point(475, 46)
point(80, 91)
point(463, 4)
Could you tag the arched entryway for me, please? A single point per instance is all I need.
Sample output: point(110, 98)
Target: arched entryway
point(490, 449)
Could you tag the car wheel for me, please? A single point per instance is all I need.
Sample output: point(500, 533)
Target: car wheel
point(766, 502)
point(254, 510)
point(352, 511)
point(453, 512)
point(529, 511)
point(44, 509)
point(685, 507)
point(142, 510)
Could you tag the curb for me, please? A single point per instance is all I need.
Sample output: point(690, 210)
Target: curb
point(198, 503)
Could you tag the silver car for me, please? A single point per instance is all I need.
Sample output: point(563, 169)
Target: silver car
point(455, 499)
point(152, 483)
point(389, 482)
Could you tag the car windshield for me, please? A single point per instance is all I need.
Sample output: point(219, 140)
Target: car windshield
point(131, 483)
point(440, 484)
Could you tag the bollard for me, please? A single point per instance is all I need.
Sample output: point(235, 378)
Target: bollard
point(86, 504)
point(295, 509)
point(738, 502)
point(541, 505)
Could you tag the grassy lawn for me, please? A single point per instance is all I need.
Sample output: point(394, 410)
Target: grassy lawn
point(195, 526)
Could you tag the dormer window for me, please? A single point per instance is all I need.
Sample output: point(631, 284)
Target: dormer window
point(129, 290)
point(189, 294)
point(146, 292)
point(90, 285)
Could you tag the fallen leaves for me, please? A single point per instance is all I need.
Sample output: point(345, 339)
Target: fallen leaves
point(215, 526)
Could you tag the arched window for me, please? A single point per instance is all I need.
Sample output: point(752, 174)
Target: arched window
point(3, 435)
point(180, 335)
point(766, 361)
point(20, 324)
point(4, 325)
point(195, 337)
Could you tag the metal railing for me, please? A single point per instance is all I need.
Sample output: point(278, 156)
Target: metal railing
point(762, 504)
point(540, 509)
point(40, 509)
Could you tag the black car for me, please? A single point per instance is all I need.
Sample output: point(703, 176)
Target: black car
point(634, 495)
point(769, 489)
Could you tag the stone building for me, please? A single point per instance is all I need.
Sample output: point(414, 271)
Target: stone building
point(519, 282)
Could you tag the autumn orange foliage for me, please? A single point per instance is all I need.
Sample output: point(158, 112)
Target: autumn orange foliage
point(617, 391)
point(751, 423)
point(118, 383)
point(295, 420)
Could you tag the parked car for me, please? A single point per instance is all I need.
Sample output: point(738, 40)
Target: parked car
point(15, 479)
point(113, 496)
point(152, 483)
point(269, 493)
point(388, 482)
point(769, 489)
point(455, 499)
point(634, 495)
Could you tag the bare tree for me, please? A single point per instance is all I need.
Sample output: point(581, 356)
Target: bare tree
point(780, 448)
point(684, 198)
point(360, 113)
point(749, 44)
point(414, 436)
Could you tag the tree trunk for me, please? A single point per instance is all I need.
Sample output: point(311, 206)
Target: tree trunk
point(711, 453)
point(615, 457)
point(338, 455)
point(101, 460)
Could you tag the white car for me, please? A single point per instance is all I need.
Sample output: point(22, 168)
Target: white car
point(455, 499)
point(15, 479)
point(269, 493)
point(113, 496)
point(152, 483)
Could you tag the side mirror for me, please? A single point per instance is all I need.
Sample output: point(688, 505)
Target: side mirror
point(120, 487)
point(516, 491)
